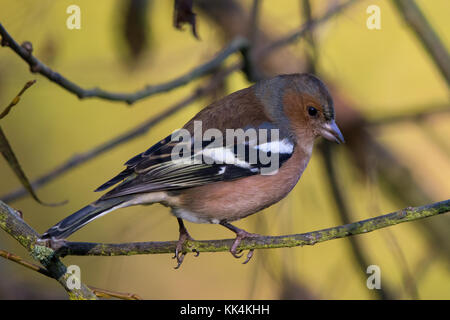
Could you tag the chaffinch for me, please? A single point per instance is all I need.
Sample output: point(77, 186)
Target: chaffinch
point(203, 181)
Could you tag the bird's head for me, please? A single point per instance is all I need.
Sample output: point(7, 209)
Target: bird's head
point(302, 103)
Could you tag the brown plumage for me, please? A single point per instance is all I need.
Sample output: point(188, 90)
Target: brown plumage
point(227, 184)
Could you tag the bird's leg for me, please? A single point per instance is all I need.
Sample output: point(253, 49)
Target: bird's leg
point(184, 236)
point(240, 234)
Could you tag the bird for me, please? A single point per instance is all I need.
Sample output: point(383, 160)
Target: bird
point(272, 126)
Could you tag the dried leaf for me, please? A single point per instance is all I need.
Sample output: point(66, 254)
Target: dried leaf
point(10, 157)
point(183, 14)
point(135, 28)
point(8, 154)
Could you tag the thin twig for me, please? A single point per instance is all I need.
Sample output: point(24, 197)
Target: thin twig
point(429, 39)
point(101, 293)
point(10, 256)
point(426, 112)
point(8, 153)
point(248, 53)
point(37, 66)
point(262, 242)
point(129, 135)
point(312, 55)
point(16, 99)
point(409, 282)
point(307, 27)
point(344, 213)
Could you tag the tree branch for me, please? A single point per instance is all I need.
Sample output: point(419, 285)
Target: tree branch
point(359, 254)
point(263, 242)
point(36, 66)
point(16, 99)
point(12, 223)
point(424, 113)
point(418, 23)
point(304, 30)
point(22, 262)
point(101, 293)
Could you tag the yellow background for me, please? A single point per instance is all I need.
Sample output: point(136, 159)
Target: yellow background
point(386, 72)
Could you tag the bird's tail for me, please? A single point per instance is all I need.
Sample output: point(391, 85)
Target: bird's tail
point(72, 223)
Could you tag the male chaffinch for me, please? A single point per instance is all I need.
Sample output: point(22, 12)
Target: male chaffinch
point(230, 187)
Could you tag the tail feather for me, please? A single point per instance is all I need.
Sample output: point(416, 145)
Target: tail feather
point(72, 223)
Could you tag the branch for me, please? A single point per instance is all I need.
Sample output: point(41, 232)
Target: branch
point(263, 242)
point(12, 223)
point(131, 134)
point(16, 99)
point(304, 30)
point(22, 262)
point(36, 66)
point(9, 155)
point(250, 69)
point(101, 293)
point(426, 112)
point(343, 210)
point(414, 17)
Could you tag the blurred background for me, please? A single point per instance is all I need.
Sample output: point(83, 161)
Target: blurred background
point(392, 104)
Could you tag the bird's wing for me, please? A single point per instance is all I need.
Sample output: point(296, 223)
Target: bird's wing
point(174, 163)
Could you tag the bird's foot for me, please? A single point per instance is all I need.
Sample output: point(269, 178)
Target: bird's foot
point(57, 245)
point(240, 235)
point(52, 243)
point(184, 237)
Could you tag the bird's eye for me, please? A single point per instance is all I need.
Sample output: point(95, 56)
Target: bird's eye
point(312, 111)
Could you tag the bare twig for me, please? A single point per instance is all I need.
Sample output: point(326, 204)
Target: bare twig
point(313, 55)
point(22, 262)
point(131, 134)
point(254, 21)
point(344, 213)
point(9, 155)
point(248, 53)
point(262, 242)
point(101, 293)
point(415, 19)
point(409, 281)
point(426, 112)
point(37, 66)
point(307, 27)
point(16, 99)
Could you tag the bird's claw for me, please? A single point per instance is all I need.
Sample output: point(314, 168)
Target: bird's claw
point(179, 254)
point(249, 256)
point(197, 253)
point(180, 257)
point(240, 236)
point(236, 255)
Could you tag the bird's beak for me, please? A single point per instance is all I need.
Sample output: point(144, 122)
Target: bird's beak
point(330, 131)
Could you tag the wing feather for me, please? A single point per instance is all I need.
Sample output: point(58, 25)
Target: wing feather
point(156, 170)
